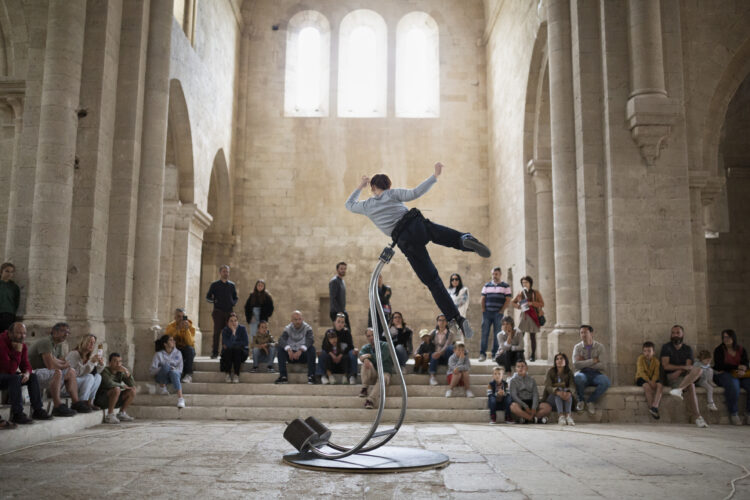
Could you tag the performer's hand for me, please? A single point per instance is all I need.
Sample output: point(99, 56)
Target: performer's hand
point(365, 182)
point(438, 169)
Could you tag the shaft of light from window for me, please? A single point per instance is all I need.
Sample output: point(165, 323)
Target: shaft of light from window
point(362, 52)
point(308, 64)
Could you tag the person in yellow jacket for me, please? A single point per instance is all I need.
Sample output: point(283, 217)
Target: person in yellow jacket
point(647, 376)
point(183, 331)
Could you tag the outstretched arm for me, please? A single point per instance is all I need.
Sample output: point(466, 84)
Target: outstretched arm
point(352, 204)
point(413, 194)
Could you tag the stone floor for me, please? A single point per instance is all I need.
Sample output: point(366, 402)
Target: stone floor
point(177, 459)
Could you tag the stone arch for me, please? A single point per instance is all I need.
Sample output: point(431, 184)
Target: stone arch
point(14, 39)
point(220, 196)
point(180, 142)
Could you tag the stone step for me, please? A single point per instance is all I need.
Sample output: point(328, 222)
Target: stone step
point(287, 414)
point(45, 430)
point(318, 390)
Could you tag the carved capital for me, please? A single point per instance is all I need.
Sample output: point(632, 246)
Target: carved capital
point(650, 118)
point(541, 172)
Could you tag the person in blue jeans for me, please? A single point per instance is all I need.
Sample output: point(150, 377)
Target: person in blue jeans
point(730, 366)
point(495, 299)
point(442, 339)
point(588, 361)
point(497, 392)
point(166, 367)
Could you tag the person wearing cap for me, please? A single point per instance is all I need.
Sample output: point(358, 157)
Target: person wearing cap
point(424, 351)
point(458, 370)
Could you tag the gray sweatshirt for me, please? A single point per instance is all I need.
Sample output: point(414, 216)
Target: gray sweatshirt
point(294, 339)
point(596, 351)
point(163, 358)
point(387, 208)
point(454, 362)
point(524, 388)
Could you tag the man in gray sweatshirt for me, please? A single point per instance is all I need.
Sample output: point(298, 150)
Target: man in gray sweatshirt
point(296, 346)
point(525, 397)
point(411, 232)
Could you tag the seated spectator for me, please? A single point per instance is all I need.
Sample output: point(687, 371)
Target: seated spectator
point(588, 360)
point(334, 356)
point(706, 379)
point(647, 376)
point(86, 363)
point(117, 390)
point(183, 332)
point(442, 338)
point(558, 389)
point(52, 371)
point(401, 335)
point(384, 293)
point(525, 397)
point(730, 365)
point(347, 344)
point(678, 371)
point(423, 354)
point(166, 367)
point(370, 380)
point(264, 347)
point(510, 344)
point(296, 346)
point(15, 371)
point(235, 348)
point(458, 371)
point(497, 392)
point(258, 307)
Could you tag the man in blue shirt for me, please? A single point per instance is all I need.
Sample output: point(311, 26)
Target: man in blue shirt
point(495, 299)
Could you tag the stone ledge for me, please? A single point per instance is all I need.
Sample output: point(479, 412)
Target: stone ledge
point(41, 431)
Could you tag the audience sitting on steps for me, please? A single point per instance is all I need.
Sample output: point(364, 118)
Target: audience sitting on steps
point(166, 367)
point(369, 371)
point(510, 344)
point(442, 339)
point(264, 347)
point(648, 376)
point(296, 346)
point(117, 390)
point(525, 405)
point(731, 362)
point(86, 362)
point(346, 344)
point(235, 348)
point(458, 371)
point(679, 372)
point(558, 389)
point(588, 360)
point(183, 332)
point(401, 335)
point(498, 398)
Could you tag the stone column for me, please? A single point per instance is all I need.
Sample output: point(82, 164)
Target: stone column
point(151, 184)
point(53, 187)
point(564, 189)
point(13, 93)
point(540, 171)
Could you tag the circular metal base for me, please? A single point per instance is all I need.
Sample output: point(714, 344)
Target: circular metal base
point(384, 459)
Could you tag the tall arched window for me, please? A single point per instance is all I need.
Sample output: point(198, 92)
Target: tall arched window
point(417, 67)
point(363, 65)
point(308, 48)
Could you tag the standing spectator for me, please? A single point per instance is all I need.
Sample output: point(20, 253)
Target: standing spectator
point(15, 371)
point(401, 335)
point(334, 356)
point(510, 341)
point(558, 389)
point(370, 380)
point(166, 367)
point(183, 332)
point(296, 346)
point(384, 294)
point(258, 307)
point(588, 360)
point(223, 295)
point(497, 392)
point(442, 339)
point(235, 348)
point(423, 354)
point(117, 390)
point(647, 376)
point(530, 302)
point(337, 294)
point(458, 371)
point(47, 357)
point(730, 364)
point(525, 397)
point(264, 347)
point(495, 295)
point(86, 363)
point(10, 295)
point(679, 372)
point(460, 295)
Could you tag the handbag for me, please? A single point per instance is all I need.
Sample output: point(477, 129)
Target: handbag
point(542, 320)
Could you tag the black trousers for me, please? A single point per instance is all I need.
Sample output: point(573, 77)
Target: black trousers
point(232, 359)
point(220, 321)
point(12, 382)
point(508, 359)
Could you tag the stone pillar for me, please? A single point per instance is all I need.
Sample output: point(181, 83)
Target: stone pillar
point(564, 189)
point(53, 187)
point(191, 225)
point(151, 184)
point(540, 171)
point(12, 92)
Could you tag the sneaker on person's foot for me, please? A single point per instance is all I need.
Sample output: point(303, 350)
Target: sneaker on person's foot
point(654, 411)
point(40, 414)
point(469, 394)
point(542, 420)
point(735, 419)
point(482, 357)
point(187, 380)
point(465, 327)
point(454, 328)
point(311, 379)
point(324, 380)
point(180, 402)
point(81, 407)
point(712, 406)
point(363, 392)
point(561, 420)
point(493, 419)
point(369, 405)
point(236, 379)
point(124, 417)
point(254, 369)
point(111, 418)
point(352, 380)
point(21, 419)
point(580, 405)
point(163, 390)
point(281, 380)
point(448, 393)
point(569, 420)
point(676, 393)
point(699, 422)
point(591, 408)
point(228, 378)
point(63, 411)
point(433, 380)
point(469, 242)
point(270, 369)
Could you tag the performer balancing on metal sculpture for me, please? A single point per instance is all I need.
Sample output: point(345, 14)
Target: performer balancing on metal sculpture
point(411, 232)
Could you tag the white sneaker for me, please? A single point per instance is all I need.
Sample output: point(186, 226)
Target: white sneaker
point(580, 405)
point(228, 378)
point(469, 394)
point(324, 380)
point(561, 420)
point(163, 390)
point(433, 380)
point(712, 407)
point(699, 422)
point(181, 403)
point(676, 393)
point(448, 393)
point(187, 380)
point(124, 417)
point(111, 418)
point(569, 420)
point(734, 419)
point(352, 380)
point(236, 379)
point(591, 408)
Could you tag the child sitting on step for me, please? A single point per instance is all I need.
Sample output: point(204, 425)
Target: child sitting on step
point(497, 391)
point(424, 352)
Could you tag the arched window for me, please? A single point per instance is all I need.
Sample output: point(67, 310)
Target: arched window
point(308, 48)
point(363, 67)
point(417, 67)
